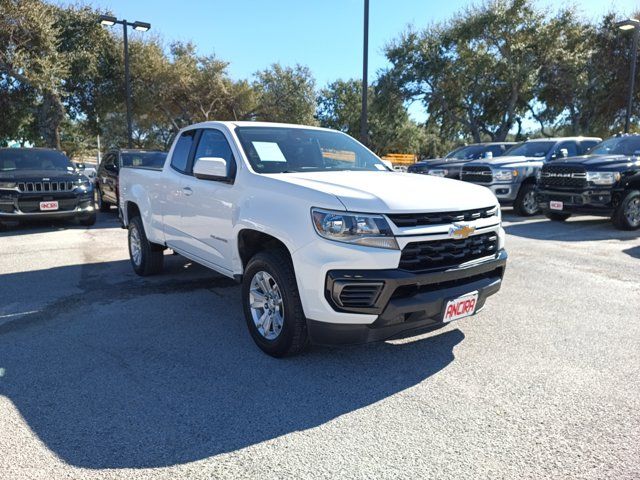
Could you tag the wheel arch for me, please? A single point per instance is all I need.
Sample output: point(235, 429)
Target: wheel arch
point(252, 241)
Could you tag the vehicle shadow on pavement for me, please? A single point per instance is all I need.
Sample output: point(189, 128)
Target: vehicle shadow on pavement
point(586, 230)
point(151, 373)
point(25, 227)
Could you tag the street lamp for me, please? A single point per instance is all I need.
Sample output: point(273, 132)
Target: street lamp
point(364, 131)
point(109, 21)
point(631, 24)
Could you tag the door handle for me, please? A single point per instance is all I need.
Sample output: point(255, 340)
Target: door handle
point(187, 191)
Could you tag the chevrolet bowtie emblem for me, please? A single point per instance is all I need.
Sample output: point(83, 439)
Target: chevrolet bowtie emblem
point(460, 231)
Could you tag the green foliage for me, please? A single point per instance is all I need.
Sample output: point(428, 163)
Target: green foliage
point(478, 76)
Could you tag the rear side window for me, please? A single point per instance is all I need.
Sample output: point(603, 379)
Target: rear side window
point(214, 144)
point(180, 155)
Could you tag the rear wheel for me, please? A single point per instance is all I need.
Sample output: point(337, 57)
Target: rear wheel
point(147, 258)
point(557, 217)
point(272, 306)
point(526, 204)
point(627, 215)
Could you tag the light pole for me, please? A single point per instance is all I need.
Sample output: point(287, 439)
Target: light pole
point(364, 131)
point(631, 24)
point(109, 21)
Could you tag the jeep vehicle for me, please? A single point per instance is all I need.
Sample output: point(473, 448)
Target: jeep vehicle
point(43, 183)
point(450, 165)
point(512, 177)
point(605, 182)
point(330, 245)
point(106, 186)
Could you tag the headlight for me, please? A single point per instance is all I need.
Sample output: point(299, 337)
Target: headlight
point(84, 182)
point(504, 175)
point(8, 185)
point(603, 178)
point(438, 172)
point(359, 229)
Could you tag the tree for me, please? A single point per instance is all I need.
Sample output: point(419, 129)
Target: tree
point(475, 74)
point(285, 94)
point(390, 128)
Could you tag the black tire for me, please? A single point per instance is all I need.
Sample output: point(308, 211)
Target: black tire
point(557, 217)
point(103, 206)
point(293, 337)
point(521, 204)
point(151, 258)
point(623, 217)
point(88, 220)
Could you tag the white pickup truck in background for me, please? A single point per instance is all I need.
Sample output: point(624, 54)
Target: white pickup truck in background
point(329, 244)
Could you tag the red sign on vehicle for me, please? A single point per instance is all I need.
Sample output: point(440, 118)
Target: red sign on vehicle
point(461, 307)
point(52, 205)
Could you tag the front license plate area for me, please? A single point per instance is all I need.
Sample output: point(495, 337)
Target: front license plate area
point(460, 307)
point(48, 206)
point(556, 205)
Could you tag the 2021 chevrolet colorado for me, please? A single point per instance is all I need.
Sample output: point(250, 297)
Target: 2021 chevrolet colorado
point(330, 245)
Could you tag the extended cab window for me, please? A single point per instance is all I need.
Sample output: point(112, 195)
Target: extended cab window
point(214, 144)
point(180, 155)
point(570, 147)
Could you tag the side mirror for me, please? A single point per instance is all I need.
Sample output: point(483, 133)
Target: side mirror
point(80, 166)
point(388, 164)
point(210, 168)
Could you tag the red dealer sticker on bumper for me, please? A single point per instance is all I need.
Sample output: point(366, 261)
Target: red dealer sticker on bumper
point(47, 206)
point(461, 307)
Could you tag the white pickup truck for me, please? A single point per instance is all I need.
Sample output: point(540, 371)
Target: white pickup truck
point(329, 244)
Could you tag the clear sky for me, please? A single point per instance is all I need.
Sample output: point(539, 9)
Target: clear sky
point(325, 35)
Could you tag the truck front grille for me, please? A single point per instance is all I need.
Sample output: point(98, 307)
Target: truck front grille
point(53, 186)
point(437, 254)
point(563, 176)
point(476, 174)
point(441, 218)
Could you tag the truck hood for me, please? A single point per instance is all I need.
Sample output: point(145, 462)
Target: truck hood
point(39, 175)
point(445, 162)
point(393, 192)
point(507, 162)
point(595, 162)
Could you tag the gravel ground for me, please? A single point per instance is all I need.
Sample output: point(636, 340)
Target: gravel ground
point(107, 375)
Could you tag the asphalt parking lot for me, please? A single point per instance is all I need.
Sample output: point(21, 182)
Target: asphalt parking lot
point(107, 375)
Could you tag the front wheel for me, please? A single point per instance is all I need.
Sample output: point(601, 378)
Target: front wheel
point(272, 306)
point(526, 204)
point(103, 206)
point(146, 258)
point(627, 215)
point(557, 217)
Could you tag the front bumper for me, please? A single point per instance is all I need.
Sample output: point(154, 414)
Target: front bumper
point(590, 201)
point(407, 302)
point(26, 206)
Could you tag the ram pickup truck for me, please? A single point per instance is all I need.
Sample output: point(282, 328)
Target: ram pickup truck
point(450, 165)
point(605, 182)
point(512, 177)
point(330, 246)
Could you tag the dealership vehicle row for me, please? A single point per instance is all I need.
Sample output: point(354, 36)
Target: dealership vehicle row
point(331, 246)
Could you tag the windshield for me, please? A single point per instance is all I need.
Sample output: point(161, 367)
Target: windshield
point(154, 160)
point(472, 152)
point(12, 159)
point(531, 149)
point(285, 150)
point(617, 146)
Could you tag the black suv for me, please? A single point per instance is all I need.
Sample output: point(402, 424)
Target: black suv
point(604, 182)
point(43, 183)
point(450, 165)
point(107, 185)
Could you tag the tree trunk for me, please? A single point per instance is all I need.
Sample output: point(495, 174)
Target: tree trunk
point(50, 116)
